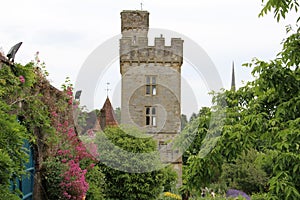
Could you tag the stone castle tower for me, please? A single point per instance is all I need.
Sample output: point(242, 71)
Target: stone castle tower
point(151, 83)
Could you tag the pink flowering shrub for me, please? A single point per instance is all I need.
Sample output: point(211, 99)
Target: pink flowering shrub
point(74, 185)
point(74, 155)
point(72, 159)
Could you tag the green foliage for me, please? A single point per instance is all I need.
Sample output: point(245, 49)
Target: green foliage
point(246, 173)
point(261, 196)
point(13, 132)
point(280, 7)
point(199, 138)
point(131, 165)
point(26, 101)
point(68, 162)
point(25, 108)
point(290, 53)
point(170, 179)
point(262, 116)
point(277, 90)
point(193, 116)
point(52, 177)
point(191, 138)
point(283, 187)
point(118, 115)
point(184, 121)
point(12, 136)
point(5, 193)
point(96, 181)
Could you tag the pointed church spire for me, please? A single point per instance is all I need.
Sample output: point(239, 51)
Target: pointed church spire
point(233, 78)
point(107, 115)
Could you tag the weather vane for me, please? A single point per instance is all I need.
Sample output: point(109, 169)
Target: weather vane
point(107, 88)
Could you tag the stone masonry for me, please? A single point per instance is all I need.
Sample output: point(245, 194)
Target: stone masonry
point(151, 83)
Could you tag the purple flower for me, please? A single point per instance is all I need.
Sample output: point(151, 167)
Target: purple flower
point(236, 193)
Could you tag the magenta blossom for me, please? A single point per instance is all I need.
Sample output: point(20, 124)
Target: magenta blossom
point(22, 79)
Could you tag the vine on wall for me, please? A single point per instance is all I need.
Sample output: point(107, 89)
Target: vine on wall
point(31, 109)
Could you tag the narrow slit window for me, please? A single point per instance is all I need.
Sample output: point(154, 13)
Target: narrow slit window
point(153, 111)
point(148, 88)
point(134, 40)
point(147, 110)
point(153, 120)
point(153, 80)
point(148, 121)
point(154, 90)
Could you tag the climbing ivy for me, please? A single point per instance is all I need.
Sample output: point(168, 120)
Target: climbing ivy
point(14, 82)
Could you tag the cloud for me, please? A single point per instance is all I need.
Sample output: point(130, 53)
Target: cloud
point(59, 38)
point(66, 32)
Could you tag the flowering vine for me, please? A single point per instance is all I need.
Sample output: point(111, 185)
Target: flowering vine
point(69, 153)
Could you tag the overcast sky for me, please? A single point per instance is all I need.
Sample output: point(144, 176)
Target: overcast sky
point(66, 32)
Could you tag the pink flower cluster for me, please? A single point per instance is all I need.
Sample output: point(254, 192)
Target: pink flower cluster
point(70, 95)
point(22, 79)
point(71, 151)
point(54, 114)
point(74, 184)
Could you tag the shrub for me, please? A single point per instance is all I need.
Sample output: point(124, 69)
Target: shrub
point(130, 163)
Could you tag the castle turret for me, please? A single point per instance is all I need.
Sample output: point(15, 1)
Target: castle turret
point(134, 46)
point(151, 83)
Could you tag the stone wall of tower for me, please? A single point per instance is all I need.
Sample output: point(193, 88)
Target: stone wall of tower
point(167, 99)
point(139, 60)
point(140, 52)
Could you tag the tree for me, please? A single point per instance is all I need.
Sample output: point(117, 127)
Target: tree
point(263, 115)
point(193, 116)
point(281, 8)
point(184, 121)
point(130, 163)
point(246, 173)
point(118, 115)
point(190, 139)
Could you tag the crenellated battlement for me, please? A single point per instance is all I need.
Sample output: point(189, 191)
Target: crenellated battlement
point(159, 53)
point(134, 47)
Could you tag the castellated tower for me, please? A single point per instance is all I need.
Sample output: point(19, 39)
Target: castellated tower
point(151, 83)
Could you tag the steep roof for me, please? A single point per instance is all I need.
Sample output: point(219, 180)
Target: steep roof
point(107, 115)
point(233, 78)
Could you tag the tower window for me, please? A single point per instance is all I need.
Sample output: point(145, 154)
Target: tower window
point(150, 85)
point(134, 40)
point(150, 116)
